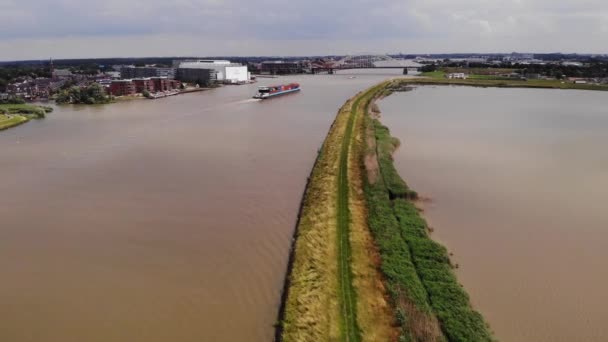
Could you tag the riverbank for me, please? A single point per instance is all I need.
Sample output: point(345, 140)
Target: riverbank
point(12, 115)
point(363, 266)
point(538, 84)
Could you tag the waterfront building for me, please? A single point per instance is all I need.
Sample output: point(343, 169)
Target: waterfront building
point(122, 88)
point(202, 77)
point(224, 71)
point(165, 84)
point(144, 84)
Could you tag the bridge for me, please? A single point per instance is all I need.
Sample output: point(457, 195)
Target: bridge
point(364, 62)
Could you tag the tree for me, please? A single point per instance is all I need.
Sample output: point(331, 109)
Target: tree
point(92, 94)
point(429, 68)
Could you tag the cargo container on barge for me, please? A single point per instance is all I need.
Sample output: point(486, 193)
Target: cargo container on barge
point(266, 92)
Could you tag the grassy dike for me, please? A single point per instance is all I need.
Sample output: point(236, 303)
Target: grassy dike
point(334, 291)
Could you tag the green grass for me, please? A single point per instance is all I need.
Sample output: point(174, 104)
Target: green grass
point(386, 145)
point(402, 280)
point(411, 260)
point(349, 328)
point(489, 77)
point(448, 299)
point(434, 74)
point(11, 121)
point(539, 84)
point(31, 111)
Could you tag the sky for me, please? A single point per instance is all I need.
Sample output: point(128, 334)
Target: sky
point(39, 29)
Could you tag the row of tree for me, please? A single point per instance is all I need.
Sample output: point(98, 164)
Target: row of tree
point(596, 69)
point(92, 94)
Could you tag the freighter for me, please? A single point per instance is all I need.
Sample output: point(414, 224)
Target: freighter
point(266, 92)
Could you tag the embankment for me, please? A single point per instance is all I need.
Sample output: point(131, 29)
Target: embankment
point(363, 266)
point(334, 291)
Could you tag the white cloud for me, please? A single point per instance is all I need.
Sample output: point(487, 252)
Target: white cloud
point(76, 28)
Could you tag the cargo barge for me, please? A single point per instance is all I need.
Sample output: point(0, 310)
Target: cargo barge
point(266, 92)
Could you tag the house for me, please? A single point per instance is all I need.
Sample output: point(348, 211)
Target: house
point(459, 76)
point(577, 80)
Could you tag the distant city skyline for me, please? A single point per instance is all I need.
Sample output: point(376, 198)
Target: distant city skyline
point(39, 29)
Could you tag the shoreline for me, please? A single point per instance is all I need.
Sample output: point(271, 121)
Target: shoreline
point(13, 115)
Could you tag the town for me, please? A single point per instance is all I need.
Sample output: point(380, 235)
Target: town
point(160, 77)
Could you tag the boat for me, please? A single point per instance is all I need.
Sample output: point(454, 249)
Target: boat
point(266, 92)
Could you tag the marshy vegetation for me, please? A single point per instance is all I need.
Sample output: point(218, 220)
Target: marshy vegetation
point(15, 114)
point(429, 303)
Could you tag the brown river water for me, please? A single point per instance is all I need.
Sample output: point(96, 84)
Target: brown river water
point(517, 182)
point(164, 220)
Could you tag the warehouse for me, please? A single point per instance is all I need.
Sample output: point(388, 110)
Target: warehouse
point(225, 71)
point(202, 77)
point(139, 72)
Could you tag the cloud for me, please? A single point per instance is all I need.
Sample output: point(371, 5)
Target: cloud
point(77, 28)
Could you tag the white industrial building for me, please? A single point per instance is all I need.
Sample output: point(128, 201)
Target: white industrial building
point(225, 70)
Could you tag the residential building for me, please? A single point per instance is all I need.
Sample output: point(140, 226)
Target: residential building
point(122, 88)
point(62, 73)
point(461, 76)
point(144, 84)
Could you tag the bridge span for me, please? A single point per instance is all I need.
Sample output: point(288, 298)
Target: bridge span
point(365, 62)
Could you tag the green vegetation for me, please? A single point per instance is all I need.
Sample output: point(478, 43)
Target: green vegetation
point(8, 121)
point(27, 110)
point(429, 303)
point(408, 295)
point(540, 84)
point(417, 269)
point(12, 115)
point(434, 74)
point(447, 297)
point(321, 303)
point(92, 94)
point(350, 330)
point(354, 188)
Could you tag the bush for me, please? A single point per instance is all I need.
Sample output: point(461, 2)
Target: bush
point(417, 269)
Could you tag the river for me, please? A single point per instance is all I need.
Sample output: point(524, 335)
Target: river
point(515, 182)
point(164, 220)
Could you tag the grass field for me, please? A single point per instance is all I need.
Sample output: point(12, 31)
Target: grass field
point(7, 121)
point(12, 115)
point(31, 111)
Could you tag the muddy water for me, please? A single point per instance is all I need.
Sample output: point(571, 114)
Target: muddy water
point(165, 220)
point(518, 181)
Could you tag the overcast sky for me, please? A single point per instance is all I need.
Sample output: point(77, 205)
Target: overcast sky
point(39, 29)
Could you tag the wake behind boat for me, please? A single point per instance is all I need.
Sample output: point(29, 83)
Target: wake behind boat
point(266, 92)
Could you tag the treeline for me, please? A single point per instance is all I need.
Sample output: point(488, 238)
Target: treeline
point(594, 69)
point(11, 72)
point(92, 94)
